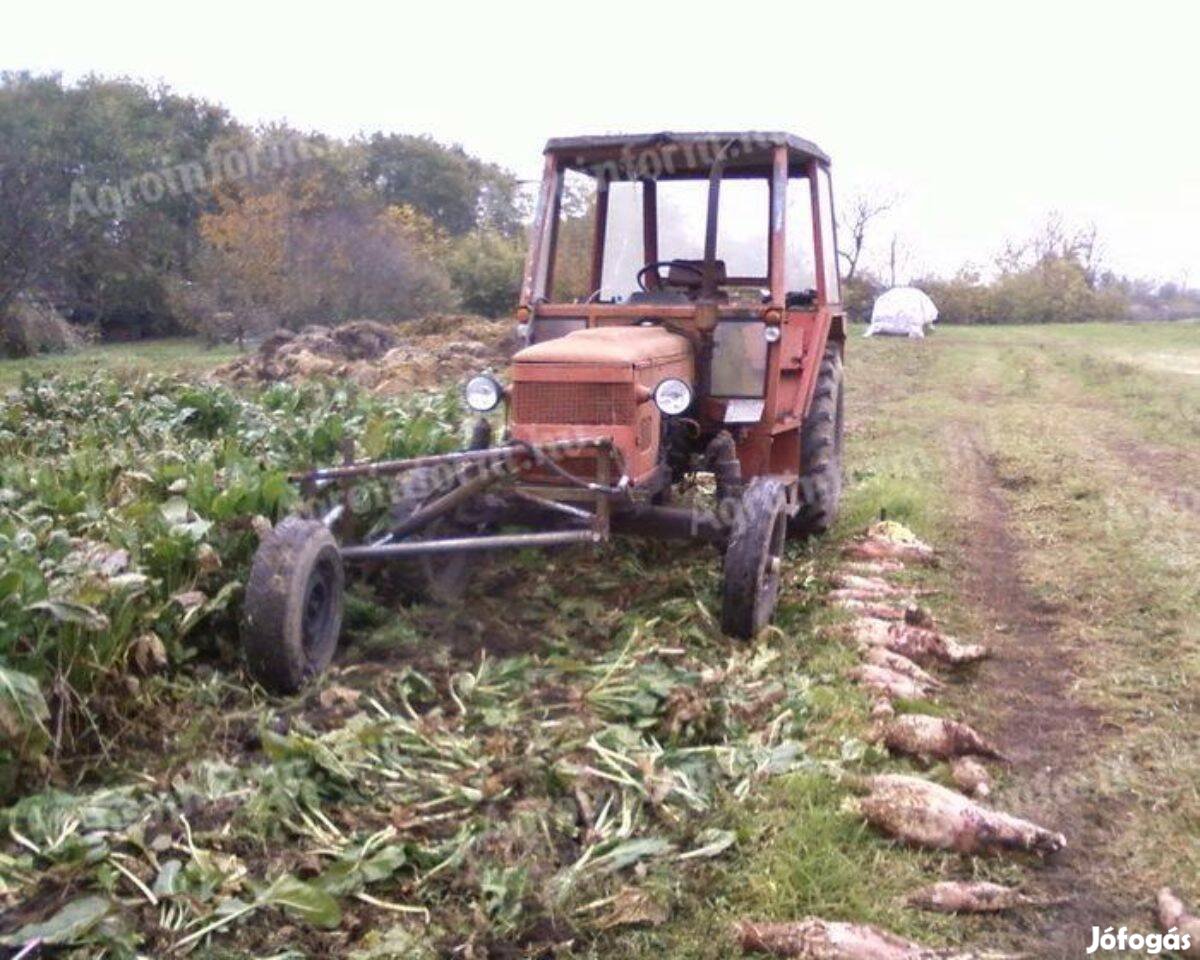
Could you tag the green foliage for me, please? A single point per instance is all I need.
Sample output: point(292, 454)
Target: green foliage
point(106, 183)
point(71, 216)
point(125, 506)
point(859, 294)
point(485, 267)
point(1055, 290)
point(1052, 278)
point(458, 191)
point(455, 792)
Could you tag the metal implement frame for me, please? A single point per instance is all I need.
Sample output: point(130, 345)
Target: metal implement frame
point(476, 474)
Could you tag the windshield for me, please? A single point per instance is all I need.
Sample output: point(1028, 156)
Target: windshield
point(742, 234)
point(743, 237)
point(624, 242)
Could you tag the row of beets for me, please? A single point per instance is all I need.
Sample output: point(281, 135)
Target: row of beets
point(128, 516)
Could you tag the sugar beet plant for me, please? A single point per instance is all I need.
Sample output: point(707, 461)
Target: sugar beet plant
point(128, 517)
point(569, 784)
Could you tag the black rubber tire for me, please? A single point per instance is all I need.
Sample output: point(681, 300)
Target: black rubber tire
point(754, 559)
point(434, 579)
point(292, 613)
point(821, 450)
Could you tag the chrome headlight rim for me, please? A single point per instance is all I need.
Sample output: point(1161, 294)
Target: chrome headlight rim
point(673, 396)
point(483, 393)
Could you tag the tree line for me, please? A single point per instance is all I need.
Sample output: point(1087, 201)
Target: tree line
point(1057, 275)
point(131, 211)
point(134, 211)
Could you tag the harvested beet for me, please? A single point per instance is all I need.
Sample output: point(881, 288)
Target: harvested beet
point(873, 548)
point(920, 736)
point(874, 568)
point(889, 683)
point(883, 657)
point(853, 583)
point(867, 608)
point(916, 643)
point(958, 896)
point(971, 777)
point(815, 939)
point(859, 595)
point(1172, 913)
point(927, 814)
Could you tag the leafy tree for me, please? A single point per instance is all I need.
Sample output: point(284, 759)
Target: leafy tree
point(35, 177)
point(88, 210)
point(456, 190)
point(129, 206)
point(485, 267)
point(294, 253)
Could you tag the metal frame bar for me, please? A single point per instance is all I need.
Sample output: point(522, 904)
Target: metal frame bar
point(484, 469)
point(383, 468)
point(777, 271)
point(599, 235)
point(819, 253)
point(650, 227)
point(387, 551)
point(447, 502)
point(530, 280)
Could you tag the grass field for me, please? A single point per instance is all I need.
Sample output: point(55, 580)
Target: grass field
point(1057, 466)
point(181, 356)
point(1054, 469)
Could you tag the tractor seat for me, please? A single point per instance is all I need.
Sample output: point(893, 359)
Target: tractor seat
point(688, 273)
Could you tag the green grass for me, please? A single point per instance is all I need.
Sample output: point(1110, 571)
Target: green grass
point(168, 355)
point(1093, 441)
point(1106, 545)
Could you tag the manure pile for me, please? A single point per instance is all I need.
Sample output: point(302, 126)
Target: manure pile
point(386, 358)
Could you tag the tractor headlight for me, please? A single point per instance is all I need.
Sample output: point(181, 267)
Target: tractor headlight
point(672, 396)
point(483, 393)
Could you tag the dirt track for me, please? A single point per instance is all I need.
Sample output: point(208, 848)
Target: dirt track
point(1061, 484)
point(1024, 697)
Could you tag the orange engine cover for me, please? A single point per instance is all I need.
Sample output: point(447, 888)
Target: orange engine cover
point(598, 382)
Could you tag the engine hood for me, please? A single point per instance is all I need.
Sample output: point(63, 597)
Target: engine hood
point(633, 346)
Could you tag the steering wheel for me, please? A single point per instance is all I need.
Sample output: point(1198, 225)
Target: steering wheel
point(657, 264)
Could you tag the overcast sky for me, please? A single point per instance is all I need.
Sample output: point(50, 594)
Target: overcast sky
point(983, 117)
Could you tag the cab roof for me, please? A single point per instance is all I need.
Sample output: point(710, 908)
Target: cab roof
point(747, 151)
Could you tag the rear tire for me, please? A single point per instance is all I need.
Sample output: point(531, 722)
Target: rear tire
point(821, 450)
point(754, 559)
point(292, 613)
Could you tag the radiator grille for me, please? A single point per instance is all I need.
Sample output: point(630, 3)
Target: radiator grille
point(572, 403)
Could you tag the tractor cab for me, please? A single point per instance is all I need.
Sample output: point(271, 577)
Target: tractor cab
point(724, 241)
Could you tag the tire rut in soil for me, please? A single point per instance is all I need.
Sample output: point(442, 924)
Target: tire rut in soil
point(1022, 699)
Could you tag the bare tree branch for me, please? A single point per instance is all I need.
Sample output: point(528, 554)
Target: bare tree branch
point(864, 208)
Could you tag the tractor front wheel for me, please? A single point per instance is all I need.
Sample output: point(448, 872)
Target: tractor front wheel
point(754, 559)
point(293, 608)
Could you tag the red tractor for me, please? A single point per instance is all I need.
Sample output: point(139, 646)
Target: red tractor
point(680, 311)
